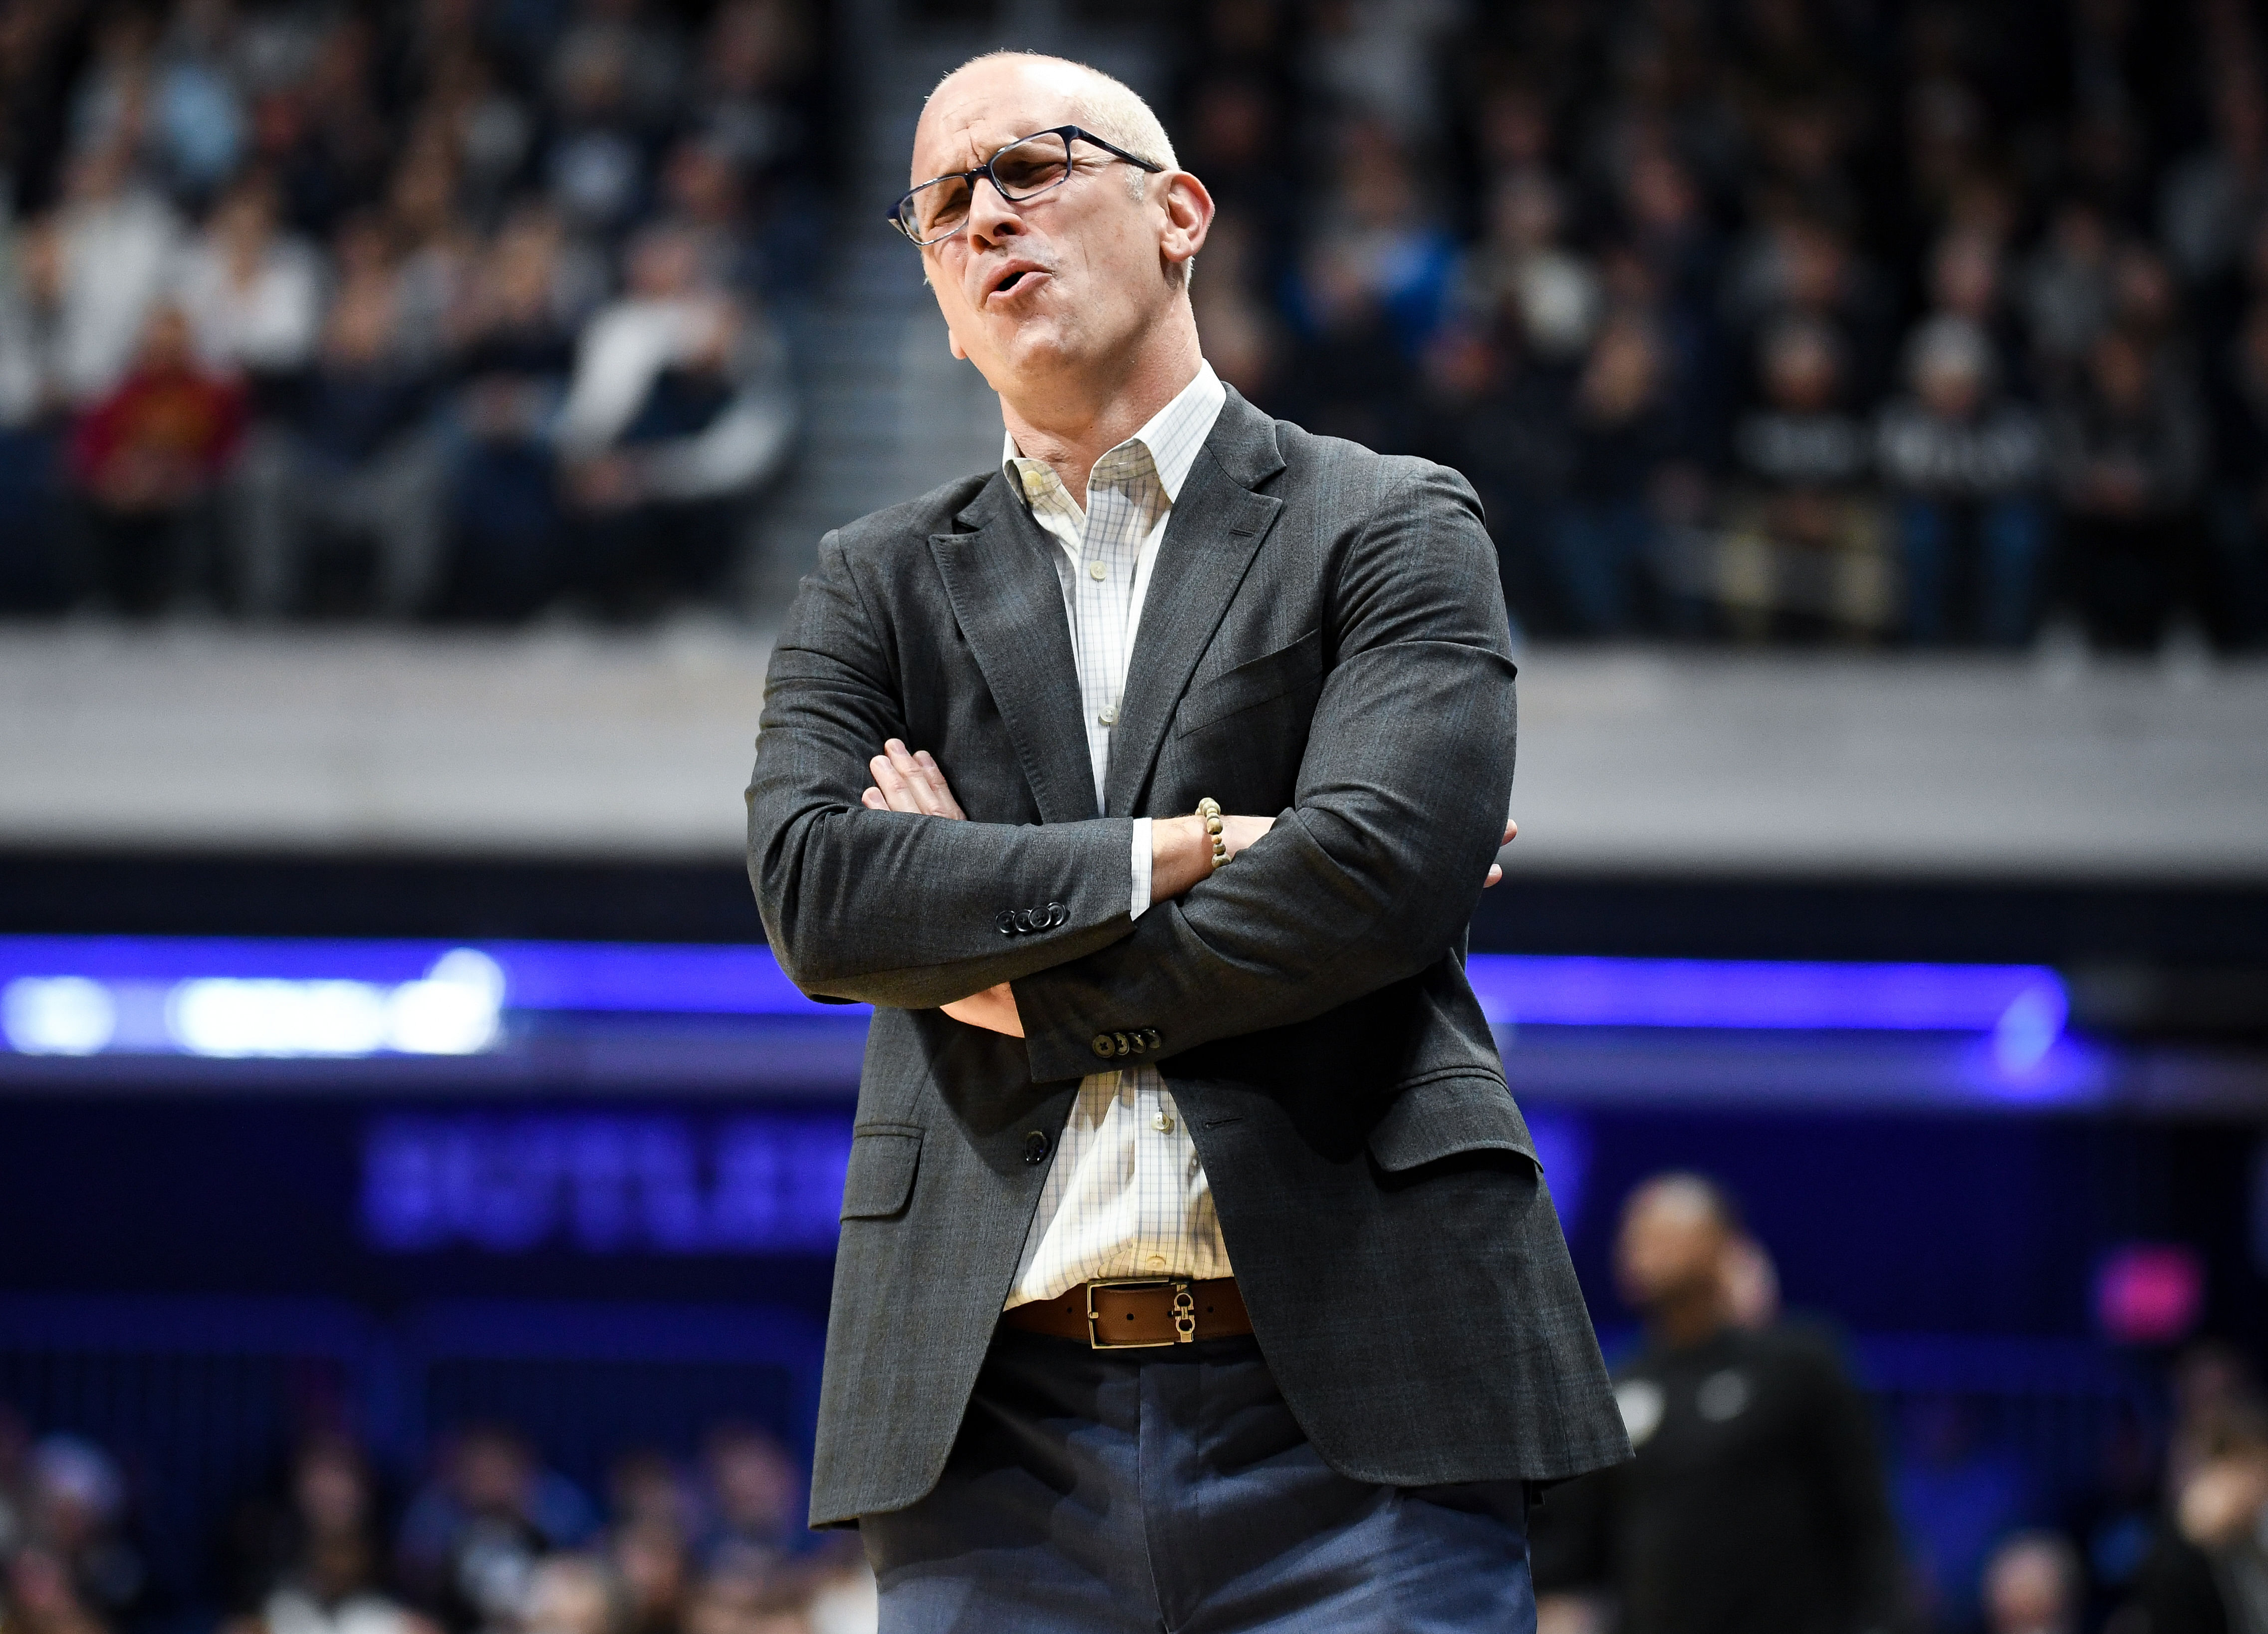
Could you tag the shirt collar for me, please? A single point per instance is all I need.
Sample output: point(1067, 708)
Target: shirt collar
point(1173, 435)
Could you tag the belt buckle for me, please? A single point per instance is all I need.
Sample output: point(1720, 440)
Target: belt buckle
point(1185, 1312)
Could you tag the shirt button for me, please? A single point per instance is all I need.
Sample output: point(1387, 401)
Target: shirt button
point(1110, 716)
point(1157, 1261)
point(1163, 1123)
point(1097, 570)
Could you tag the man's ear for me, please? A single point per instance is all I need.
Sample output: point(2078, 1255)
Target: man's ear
point(1188, 211)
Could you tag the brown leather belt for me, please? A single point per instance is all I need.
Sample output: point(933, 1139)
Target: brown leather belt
point(1138, 1313)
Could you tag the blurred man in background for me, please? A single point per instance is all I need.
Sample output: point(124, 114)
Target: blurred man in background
point(1756, 1501)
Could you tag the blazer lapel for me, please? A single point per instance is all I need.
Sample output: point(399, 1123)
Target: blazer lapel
point(1008, 601)
point(1215, 530)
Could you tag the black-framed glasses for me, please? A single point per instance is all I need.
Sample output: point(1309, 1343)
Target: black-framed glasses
point(1026, 168)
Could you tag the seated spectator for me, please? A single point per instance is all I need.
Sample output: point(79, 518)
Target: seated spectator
point(145, 460)
point(2236, 600)
point(678, 412)
point(1348, 376)
point(253, 297)
point(702, 193)
point(1803, 551)
point(474, 1536)
point(118, 243)
point(1553, 293)
point(1965, 283)
point(570, 1594)
point(33, 415)
point(2130, 457)
point(2032, 1584)
point(1621, 438)
point(323, 1562)
point(515, 352)
point(1500, 421)
point(77, 1515)
point(2066, 292)
point(755, 1499)
point(1963, 466)
point(651, 1571)
point(356, 464)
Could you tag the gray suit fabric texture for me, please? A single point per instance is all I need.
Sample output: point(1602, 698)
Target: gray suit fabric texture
point(1324, 638)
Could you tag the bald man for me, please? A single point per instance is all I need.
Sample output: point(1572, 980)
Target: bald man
point(1756, 1498)
point(1195, 1272)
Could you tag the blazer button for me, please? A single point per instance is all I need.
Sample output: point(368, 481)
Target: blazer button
point(1103, 1046)
point(1123, 1045)
point(1005, 922)
point(1152, 1037)
point(1024, 920)
point(1035, 1146)
point(1057, 914)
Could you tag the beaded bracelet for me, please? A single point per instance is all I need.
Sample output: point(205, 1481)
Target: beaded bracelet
point(1209, 809)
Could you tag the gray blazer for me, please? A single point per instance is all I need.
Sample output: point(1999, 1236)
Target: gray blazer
point(1323, 638)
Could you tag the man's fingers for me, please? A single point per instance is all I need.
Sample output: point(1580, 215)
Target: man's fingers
point(925, 789)
point(908, 781)
point(1510, 831)
point(950, 807)
point(1495, 873)
point(895, 791)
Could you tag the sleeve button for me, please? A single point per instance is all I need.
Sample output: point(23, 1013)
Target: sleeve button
point(1102, 1045)
point(1125, 1045)
point(1057, 914)
point(1006, 923)
point(1153, 1037)
point(1035, 1146)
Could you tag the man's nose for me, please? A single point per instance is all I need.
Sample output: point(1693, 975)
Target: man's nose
point(992, 218)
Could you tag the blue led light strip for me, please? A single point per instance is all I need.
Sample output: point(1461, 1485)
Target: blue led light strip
point(159, 980)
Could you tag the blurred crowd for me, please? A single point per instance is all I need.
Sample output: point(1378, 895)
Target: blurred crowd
point(1772, 319)
point(492, 1542)
point(454, 307)
point(1760, 1497)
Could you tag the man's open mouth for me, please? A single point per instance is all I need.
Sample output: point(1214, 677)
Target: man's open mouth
point(1011, 279)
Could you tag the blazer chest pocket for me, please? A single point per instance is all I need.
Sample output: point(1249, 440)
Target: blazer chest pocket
point(1445, 1117)
point(1288, 672)
point(880, 1178)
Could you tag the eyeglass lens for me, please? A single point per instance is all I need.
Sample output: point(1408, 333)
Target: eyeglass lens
point(938, 208)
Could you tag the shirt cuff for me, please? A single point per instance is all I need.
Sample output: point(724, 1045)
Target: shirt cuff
point(1141, 904)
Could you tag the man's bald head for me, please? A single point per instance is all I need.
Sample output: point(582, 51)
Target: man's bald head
point(1676, 1229)
point(1109, 108)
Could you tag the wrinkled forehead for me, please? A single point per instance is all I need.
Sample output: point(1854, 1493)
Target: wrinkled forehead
point(982, 108)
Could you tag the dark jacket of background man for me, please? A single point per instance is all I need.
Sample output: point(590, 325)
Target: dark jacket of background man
point(1756, 1500)
point(1326, 640)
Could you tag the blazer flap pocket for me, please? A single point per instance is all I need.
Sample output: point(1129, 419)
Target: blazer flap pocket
point(1444, 1117)
point(880, 1178)
point(1253, 682)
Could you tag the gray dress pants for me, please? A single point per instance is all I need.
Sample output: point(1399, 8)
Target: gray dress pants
point(1171, 1491)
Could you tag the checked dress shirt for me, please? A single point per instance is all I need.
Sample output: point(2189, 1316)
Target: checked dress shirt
point(1127, 1197)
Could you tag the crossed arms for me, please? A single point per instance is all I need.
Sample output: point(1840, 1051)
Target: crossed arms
point(1367, 878)
point(1180, 855)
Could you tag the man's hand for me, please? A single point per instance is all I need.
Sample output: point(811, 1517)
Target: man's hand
point(1496, 870)
point(994, 1009)
point(909, 781)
